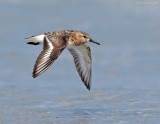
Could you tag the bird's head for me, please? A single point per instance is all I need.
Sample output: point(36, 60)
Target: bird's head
point(88, 38)
point(81, 37)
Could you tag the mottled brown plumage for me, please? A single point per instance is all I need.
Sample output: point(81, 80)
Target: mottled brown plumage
point(42, 64)
point(53, 45)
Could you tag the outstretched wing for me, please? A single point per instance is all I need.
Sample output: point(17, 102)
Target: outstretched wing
point(83, 63)
point(51, 51)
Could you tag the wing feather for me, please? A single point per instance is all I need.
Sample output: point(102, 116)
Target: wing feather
point(48, 55)
point(83, 63)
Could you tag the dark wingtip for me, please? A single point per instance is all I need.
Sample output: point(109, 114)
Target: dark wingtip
point(88, 87)
point(34, 76)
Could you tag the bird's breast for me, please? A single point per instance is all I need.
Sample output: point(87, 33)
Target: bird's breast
point(70, 45)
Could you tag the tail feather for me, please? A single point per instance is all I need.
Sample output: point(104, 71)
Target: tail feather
point(36, 39)
point(33, 43)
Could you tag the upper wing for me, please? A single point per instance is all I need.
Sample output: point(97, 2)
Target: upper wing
point(83, 62)
point(50, 53)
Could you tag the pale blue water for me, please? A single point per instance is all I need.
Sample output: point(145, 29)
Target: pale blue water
point(126, 67)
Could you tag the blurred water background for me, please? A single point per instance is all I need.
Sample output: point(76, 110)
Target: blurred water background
point(126, 67)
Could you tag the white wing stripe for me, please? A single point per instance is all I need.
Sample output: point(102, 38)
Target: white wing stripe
point(47, 54)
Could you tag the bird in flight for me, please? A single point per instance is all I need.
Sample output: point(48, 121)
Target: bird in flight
point(53, 45)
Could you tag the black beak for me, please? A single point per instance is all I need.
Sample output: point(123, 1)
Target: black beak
point(94, 41)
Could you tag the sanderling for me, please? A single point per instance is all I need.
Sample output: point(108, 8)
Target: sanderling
point(53, 45)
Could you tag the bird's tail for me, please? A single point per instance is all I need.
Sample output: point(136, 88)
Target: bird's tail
point(35, 40)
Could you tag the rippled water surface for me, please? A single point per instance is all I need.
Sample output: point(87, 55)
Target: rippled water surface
point(126, 67)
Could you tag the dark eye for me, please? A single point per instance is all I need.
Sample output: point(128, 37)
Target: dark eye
point(84, 36)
